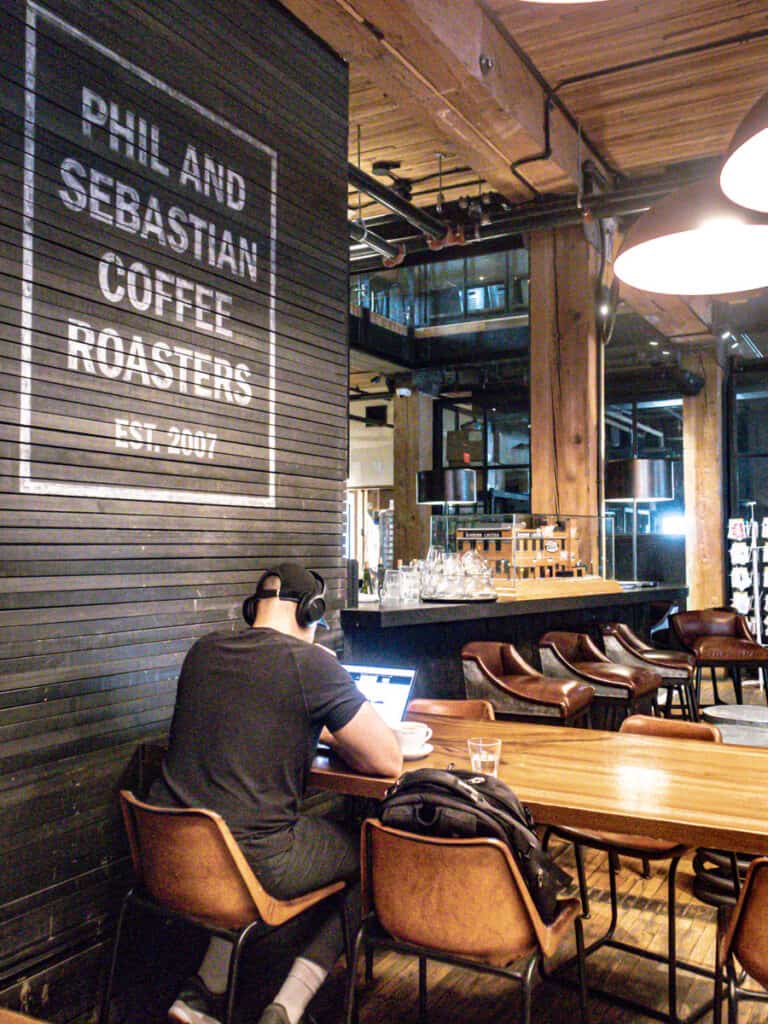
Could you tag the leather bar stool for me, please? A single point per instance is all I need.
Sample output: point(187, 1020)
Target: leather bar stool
point(720, 638)
point(498, 673)
point(676, 668)
point(620, 690)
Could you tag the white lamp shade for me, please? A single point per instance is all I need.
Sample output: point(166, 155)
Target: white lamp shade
point(744, 177)
point(695, 242)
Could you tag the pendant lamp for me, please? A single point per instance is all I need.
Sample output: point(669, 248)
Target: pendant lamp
point(695, 242)
point(744, 177)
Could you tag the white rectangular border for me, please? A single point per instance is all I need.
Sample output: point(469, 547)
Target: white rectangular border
point(27, 485)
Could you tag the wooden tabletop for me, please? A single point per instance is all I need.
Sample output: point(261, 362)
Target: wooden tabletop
point(701, 794)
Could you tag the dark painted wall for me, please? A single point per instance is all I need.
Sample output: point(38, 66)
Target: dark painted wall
point(173, 377)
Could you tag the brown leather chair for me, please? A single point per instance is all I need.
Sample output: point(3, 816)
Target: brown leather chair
point(188, 866)
point(479, 710)
point(619, 689)
point(496, 672)
point(643, 847)
point(745, 939)
point(720, 638)
point(457, 901)
point(676, 668)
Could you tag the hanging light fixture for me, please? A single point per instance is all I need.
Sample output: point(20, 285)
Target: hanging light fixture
point(744, 177)
point(695, 242)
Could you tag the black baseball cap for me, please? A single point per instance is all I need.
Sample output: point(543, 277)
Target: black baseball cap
point(295, 583)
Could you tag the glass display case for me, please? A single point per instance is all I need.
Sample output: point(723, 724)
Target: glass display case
point(523, 548)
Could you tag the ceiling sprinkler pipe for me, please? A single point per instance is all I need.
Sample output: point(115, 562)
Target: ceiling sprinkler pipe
point(393, 255)
point(430, 226)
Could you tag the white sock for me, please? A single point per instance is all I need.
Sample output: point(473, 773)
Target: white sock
point(304, 979)
point(214, 970)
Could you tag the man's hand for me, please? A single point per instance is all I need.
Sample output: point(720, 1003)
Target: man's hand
point(367, 744)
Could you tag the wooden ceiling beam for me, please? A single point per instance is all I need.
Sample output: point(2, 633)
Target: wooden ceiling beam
point(671, 315)
point(425, 55)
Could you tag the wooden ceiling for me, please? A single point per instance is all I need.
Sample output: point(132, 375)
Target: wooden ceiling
point(417, 87)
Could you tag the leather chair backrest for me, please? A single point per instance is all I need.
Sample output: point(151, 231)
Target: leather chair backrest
point(461, 896)
point(623, 632)
point(188, 860)
point(674, 728)
point(568, 644)
point(487, 652)
point(750, 935)
point(688, 626)
point(478, 710)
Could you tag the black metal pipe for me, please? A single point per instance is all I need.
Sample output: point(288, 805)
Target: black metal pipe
point(614, 69)
point(425, 222)
point(359, 233)
point(564, 211)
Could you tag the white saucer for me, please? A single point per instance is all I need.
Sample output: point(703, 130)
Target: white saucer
point(418, 754)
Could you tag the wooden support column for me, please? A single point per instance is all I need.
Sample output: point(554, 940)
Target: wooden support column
point(703, 468)
point(413, 451)
point(564, 373)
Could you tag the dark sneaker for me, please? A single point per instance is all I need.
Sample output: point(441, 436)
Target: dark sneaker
point(274, 1013)
point(195, 1004)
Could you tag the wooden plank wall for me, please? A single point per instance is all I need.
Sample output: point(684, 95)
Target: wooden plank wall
point(172, 405)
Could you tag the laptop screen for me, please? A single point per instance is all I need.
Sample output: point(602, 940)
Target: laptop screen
point(388, 689)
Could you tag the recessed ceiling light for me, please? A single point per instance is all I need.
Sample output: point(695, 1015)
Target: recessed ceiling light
point(654, 343)
point(665, 352)
point(695, 242)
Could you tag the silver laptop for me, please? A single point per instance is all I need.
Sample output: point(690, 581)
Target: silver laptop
point(388, 689)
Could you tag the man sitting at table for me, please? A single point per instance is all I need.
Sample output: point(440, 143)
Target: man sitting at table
point(250, 708)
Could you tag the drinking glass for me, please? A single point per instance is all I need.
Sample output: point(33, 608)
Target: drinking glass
point(409, 583)
point(484, 755)
point(391, 590)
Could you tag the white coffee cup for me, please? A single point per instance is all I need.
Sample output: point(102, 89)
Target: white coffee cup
point(412, 736)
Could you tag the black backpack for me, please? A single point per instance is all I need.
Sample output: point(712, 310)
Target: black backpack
point(462, 804)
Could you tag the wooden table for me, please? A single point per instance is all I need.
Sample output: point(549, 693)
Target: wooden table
point(701, 794)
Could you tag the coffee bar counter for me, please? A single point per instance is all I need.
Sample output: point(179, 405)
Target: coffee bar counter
point(429, 636)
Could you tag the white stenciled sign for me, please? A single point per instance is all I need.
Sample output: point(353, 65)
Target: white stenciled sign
point(148, 298)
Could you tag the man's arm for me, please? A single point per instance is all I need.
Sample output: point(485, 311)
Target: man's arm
point(367, 743)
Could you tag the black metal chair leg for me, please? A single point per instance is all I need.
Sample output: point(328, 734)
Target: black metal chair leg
point(692, 702)
point(527, 986)
point(234, 970)
point(106, 996)
point(350, 1002)
point(422, 990)
point(698, 685)
point(733, 1005)
point(764, 675)
point(715, 692)
point(582, 969)
point(583, 892)
point(646, 873)
point(736, 676)
point(672, 939)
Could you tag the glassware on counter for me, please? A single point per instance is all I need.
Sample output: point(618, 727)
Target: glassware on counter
point(453, 577)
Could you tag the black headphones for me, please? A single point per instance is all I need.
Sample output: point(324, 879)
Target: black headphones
point(310, 605)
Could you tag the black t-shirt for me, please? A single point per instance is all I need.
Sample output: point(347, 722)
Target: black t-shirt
point(249, 710)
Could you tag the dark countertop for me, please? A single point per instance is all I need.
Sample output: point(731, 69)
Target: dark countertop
point(372, 616)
